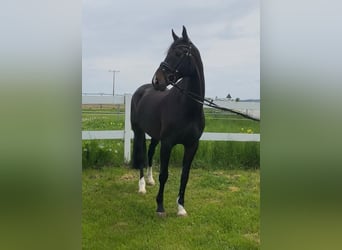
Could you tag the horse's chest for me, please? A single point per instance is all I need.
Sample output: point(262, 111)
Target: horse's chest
point(191, 132)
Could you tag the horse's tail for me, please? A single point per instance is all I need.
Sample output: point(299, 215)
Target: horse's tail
point(139, 149)
point(139, 142)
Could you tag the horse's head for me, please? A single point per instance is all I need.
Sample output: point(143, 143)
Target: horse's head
point(177, 63)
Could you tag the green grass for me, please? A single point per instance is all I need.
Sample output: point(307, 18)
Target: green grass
point(213, 154)
point(221, 200)
point(218, 121)
point(109, 119)
point(102, 121)
point(223, 210)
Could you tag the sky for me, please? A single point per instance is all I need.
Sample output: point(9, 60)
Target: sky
point(133, 37)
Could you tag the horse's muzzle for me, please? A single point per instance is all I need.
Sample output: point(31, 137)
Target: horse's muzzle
point(158, 81)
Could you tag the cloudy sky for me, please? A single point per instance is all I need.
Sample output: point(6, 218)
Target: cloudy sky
point(133, 36)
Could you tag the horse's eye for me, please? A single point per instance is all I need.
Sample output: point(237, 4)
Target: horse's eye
point(171, 78)
point(178, 53)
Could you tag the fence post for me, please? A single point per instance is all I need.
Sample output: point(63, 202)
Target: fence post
point(127, 132)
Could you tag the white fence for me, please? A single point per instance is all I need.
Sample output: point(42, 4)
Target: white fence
point(127, 133)
point(249, 108)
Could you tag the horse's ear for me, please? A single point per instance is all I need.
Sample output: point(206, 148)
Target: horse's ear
point(175, 37)
point(184, 34)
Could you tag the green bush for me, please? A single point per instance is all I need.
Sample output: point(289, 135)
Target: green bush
point(214, 155)
point(100, 153)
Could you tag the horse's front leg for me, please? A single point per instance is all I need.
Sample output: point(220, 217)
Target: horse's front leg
point(165, 151)
point(189, 153)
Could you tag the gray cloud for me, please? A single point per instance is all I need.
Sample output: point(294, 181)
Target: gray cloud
point(133, 36)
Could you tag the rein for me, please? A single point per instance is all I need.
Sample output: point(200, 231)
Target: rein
point(210, 103)
point(172, 81)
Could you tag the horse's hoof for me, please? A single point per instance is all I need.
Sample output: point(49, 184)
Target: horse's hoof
point(161, 214)
point(181, 211)
point(143, 191)
point(182, 214)
point(151, 182)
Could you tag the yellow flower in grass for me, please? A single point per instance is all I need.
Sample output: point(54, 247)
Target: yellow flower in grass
point(249, 131)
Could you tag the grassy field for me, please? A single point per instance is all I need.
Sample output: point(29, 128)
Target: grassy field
point(223, 207)
point(232, 155)
point(216, 121)
point(222, 197)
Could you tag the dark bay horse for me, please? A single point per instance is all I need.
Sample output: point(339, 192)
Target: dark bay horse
point(169, 116)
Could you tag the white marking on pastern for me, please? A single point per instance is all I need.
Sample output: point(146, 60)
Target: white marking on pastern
point(150, 180)
point(142, 186)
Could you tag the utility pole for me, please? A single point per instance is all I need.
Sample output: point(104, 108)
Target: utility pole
point(114, 71)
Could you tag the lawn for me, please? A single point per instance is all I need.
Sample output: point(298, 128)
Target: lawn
point(222, 197)
point(223, 210)
point(216, 121)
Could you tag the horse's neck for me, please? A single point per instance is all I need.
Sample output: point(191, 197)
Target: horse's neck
point(195, 86)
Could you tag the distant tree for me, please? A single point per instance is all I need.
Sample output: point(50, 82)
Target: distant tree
point(237, 99)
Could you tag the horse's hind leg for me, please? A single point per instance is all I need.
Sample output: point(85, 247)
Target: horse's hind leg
point(189, 153)
point(151, 151)
point(165, 151)
point(139, 156)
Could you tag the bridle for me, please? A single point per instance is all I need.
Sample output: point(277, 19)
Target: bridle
point(173, 72)
point(171, 78)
